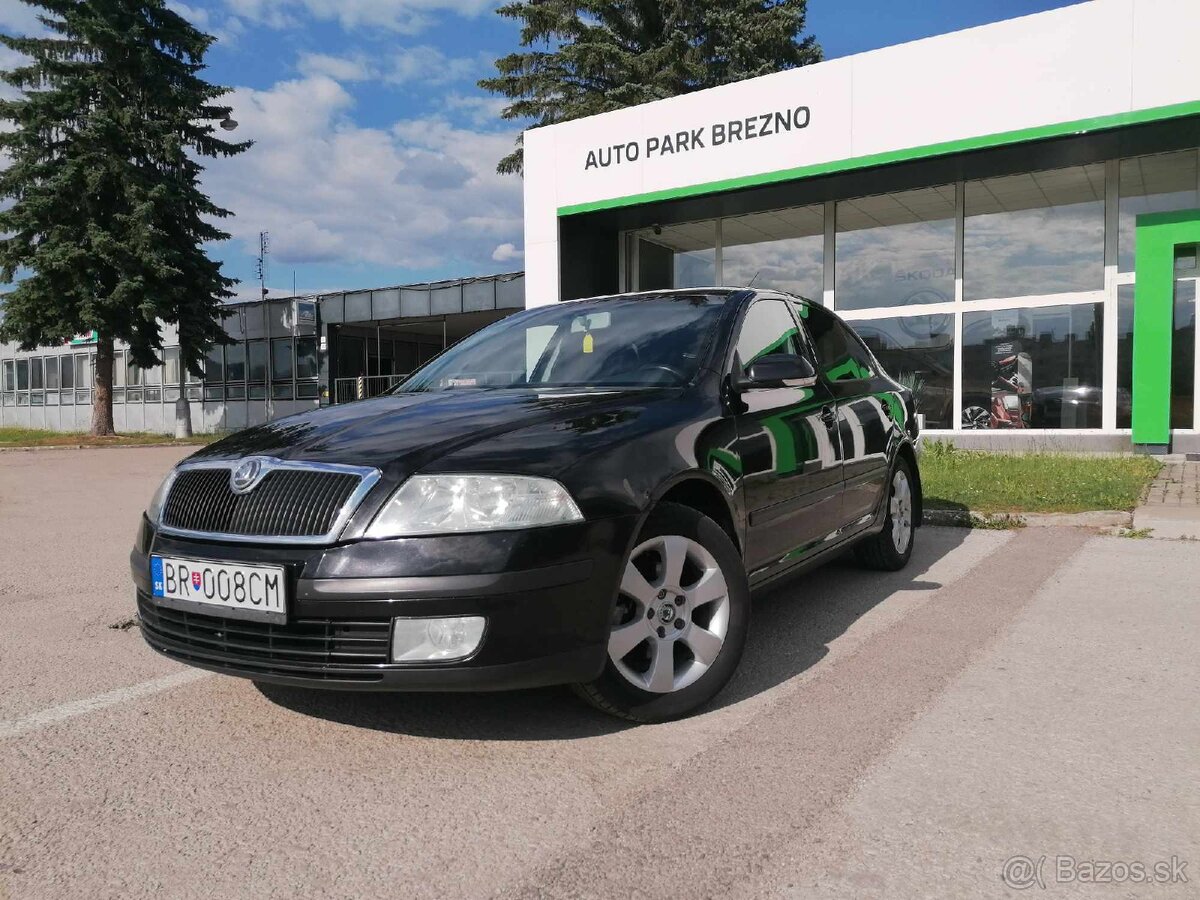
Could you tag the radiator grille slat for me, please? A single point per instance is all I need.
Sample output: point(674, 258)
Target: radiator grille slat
point(287, 502)
point(322, 648)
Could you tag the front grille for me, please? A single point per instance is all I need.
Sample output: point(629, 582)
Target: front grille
point(288, 502)
point(327, 649)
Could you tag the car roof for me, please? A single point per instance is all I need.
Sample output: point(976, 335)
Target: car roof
point(726, 291)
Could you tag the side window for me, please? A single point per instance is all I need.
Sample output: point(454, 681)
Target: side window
point(767, 328)
point(840, 354)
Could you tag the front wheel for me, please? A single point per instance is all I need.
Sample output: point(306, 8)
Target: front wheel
point(891, 548)
point(680, 621)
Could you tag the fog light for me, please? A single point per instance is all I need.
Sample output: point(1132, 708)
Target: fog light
point(434, 640)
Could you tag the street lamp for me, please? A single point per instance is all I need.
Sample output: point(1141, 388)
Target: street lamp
point(183, 411)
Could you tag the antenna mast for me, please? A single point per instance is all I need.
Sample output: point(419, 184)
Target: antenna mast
point(264, 247)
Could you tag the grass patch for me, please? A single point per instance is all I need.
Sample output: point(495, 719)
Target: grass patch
point(38, 437)
point(1033, 482)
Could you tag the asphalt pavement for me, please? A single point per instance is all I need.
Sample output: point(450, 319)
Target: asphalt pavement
point(1024, 695)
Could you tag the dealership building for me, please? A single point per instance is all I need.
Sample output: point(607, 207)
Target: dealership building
point(284, 356)
point(1008, 215)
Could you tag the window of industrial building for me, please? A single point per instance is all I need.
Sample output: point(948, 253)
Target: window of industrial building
point(22, 374)
point(895, 249)
point(676, 255)
point(306, 358)
point(36, 396)
point(83, 377)
point(9, 382)
point(257, 351)
point(1033, 368)
point(918, 351)
point(235, 362)
point(214, 365)
point(1035, 233)
point(281, 359)
point(153, 380)
point(783, 249)
point(52, 373)
point(68, 373)
point(1160, 183)
point(171, 365)
point(123, 364)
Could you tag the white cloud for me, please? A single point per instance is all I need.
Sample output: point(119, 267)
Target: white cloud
point(18, 18)
point(421, 194)
point(226, 30)
point(339, 68)
point(429, 65)
point(403, 16)
point(507, 253)
point(405, 66)
point(479, 110)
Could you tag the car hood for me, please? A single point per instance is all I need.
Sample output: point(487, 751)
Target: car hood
point(400, 433)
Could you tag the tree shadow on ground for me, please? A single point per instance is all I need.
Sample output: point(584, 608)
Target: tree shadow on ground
point(792, 626)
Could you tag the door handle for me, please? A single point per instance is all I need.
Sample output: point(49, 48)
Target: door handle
point(829, 416)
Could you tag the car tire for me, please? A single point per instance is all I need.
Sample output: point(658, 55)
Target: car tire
point(679, 622)
point(891, 549)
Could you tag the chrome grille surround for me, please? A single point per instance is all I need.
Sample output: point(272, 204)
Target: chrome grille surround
point(367, 477)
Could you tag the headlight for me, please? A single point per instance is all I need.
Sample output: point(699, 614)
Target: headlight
point(154, 510)
point(441, 504)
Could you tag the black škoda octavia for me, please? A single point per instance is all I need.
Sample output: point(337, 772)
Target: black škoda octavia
point(583, 493)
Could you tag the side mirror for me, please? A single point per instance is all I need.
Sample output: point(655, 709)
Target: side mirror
point(777, 370)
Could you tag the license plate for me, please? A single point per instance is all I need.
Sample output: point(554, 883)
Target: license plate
point(222, 589)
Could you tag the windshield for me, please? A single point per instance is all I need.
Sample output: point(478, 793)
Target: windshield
point(624, 341)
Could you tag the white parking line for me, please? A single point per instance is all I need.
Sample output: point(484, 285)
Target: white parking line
point(55, 714)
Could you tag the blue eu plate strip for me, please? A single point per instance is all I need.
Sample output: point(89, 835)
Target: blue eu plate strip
point(156, 575)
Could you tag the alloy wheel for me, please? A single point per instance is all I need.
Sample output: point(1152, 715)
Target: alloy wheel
point(901, 511)
point(672, 615)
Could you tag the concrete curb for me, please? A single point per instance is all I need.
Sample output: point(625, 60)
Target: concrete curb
point(97, 447)
point(964, 518)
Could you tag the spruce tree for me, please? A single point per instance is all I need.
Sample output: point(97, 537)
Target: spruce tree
point(592, 56)
point(107, 223)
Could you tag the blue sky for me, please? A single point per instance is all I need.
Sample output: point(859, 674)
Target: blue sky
point(375, 151)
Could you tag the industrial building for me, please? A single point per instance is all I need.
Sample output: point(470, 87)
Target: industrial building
point(285, 356)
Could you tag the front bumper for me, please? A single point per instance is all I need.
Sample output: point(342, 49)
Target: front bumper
point(546, 593)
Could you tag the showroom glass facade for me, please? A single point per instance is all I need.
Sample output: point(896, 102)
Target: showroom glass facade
point(1004, 303)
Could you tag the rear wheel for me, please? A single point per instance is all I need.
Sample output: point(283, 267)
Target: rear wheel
point(680, 620)
point(891, 549)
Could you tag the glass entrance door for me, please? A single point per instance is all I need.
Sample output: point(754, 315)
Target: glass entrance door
point(1183, 337)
